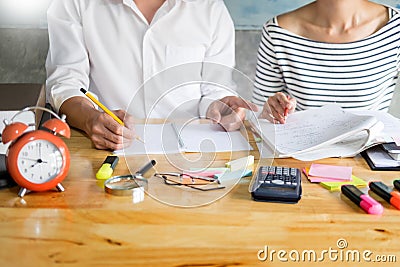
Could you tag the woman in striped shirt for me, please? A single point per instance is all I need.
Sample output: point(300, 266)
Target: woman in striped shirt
point(329, 51)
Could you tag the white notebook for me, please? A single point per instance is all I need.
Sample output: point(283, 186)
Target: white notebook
point(170, 138)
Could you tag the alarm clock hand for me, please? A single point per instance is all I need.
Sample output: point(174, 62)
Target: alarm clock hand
point(40, 151)
point(28, 159)
point(37, 162)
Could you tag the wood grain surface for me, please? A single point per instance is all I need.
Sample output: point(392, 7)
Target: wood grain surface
point(84, 226)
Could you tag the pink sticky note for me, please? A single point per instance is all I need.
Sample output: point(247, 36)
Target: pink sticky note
point(317, 179)
point(331, 172)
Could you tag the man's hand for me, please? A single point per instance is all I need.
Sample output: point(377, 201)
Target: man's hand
point(102, 129)
point(229, 111)
point(106, 133)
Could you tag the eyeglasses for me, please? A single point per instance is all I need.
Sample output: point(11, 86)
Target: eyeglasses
point(202, 183)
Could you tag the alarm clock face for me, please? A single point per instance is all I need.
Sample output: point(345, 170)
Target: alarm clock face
point(39, 161)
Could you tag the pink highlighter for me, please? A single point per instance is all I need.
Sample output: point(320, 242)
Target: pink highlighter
point(364, 201)
point(286, 112)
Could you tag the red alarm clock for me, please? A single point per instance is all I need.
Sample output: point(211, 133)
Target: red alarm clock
point(37, 160)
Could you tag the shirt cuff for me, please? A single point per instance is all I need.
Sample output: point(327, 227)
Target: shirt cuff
point(58, 99)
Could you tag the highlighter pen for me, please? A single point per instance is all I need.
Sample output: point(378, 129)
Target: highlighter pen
point(364, 201)
point(286, 112)
point(386, 193)
point(107, 168)
point(396, 184)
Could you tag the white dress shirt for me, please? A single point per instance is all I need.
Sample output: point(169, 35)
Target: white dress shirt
point(109, 48)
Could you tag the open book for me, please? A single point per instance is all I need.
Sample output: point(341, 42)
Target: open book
point(325, 132)
point(176, 138)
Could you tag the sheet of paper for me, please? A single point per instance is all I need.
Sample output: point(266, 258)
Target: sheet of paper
point(211, 138)
point(380, 158)
point(396, 139)
point(158, 139)
point(306, 135)
point(163, 139)
point(391, 124)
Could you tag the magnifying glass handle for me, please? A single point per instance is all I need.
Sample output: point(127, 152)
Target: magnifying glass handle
point(145, 168)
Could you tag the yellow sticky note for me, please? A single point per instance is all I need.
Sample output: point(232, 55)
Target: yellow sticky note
point(241, 164)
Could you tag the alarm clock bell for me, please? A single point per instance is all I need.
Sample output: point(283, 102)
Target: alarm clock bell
point(37, 160)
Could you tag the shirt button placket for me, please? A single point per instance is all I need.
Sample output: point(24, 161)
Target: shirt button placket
point(147, 65)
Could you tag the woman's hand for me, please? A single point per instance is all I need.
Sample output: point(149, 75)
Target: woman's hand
point(277, 107)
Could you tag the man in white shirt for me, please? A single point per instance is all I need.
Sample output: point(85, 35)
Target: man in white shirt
point(135, 55)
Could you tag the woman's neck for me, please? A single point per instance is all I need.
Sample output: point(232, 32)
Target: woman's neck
point(339, 16)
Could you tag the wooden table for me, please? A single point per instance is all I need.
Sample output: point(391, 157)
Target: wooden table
point(84, 226)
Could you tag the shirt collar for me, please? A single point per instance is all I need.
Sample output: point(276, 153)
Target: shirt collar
point(171, 3)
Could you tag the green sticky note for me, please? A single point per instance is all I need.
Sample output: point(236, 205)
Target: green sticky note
point(234, 175)
point(335, 186)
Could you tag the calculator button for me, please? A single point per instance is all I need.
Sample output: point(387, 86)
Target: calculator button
point(278, 182)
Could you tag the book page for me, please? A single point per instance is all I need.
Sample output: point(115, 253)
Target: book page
point(391, 124)
point(313, 128)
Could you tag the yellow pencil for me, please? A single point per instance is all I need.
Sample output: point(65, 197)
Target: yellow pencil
point(106, 110)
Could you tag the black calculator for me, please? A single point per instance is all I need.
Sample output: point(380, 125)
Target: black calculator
point(277, 184)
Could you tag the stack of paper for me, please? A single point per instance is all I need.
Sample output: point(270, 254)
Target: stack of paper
point(328, 131)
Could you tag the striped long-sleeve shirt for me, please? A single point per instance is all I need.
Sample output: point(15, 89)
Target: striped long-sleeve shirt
point(358, 75)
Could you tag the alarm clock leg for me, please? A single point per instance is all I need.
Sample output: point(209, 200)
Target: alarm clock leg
point(22, 192)
point(60, 188)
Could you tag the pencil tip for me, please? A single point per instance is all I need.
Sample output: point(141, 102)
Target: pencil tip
point(83, 91)
point(140, 139)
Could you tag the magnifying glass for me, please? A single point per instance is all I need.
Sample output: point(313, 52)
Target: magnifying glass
point(128, 185)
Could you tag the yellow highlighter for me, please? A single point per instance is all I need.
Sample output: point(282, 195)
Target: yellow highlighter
point(107, 168)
